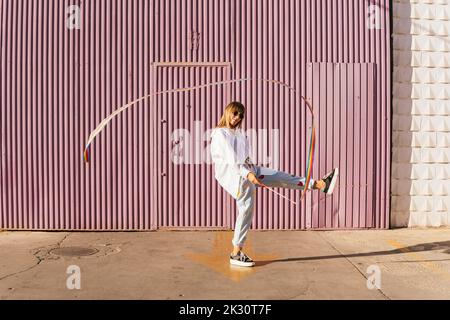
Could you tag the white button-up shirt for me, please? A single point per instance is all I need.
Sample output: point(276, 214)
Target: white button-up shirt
point(229, 151)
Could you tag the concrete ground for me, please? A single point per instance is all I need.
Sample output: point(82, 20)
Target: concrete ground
point(413, 264)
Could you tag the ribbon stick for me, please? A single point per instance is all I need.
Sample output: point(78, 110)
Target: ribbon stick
point(279, 194)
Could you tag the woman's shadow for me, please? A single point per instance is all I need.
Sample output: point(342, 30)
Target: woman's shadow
point(431, 246)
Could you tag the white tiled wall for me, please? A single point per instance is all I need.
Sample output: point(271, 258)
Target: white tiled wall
point(421, 121)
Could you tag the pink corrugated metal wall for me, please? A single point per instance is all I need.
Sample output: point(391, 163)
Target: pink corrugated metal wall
point(57, 84)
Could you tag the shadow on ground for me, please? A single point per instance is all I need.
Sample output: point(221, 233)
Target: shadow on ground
point(431, 246)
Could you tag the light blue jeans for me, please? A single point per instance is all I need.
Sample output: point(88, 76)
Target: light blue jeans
point(246, 197)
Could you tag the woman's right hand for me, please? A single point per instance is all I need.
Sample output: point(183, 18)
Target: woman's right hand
point(252, 177)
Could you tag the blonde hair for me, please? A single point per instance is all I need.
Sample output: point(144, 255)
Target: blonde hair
point(224, 122)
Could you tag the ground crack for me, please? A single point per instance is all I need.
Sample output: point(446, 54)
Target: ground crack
point(349, 261)
point(39, 257)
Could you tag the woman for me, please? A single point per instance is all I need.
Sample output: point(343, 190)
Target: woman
point(236, 173)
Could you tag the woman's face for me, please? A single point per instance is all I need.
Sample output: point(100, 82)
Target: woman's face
point(235, 118)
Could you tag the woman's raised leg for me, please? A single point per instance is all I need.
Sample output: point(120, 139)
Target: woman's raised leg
point(280, 179)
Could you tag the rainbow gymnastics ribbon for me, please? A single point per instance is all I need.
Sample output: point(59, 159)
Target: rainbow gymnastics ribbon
point(105, 121)
point(311, 152)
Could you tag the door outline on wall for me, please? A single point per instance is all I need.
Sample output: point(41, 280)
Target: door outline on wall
point(328, 87)
point(161, 143)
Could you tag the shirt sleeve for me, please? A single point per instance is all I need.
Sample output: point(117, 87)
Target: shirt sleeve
point(244, 171)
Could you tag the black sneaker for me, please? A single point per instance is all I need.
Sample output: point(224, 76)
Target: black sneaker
point(241, 259)
point(330, 181)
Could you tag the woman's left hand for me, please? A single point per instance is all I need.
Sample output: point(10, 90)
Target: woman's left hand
point(252, 177)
